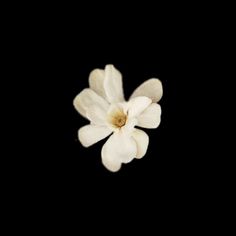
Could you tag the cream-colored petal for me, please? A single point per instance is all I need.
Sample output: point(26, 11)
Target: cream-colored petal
point(151, 88)
point(96, 82)
point(79, 107)
point(142, 141)
point(97, 115)
point(151, 117)
point(88, 98)
point(91, 134)
point(113, 84)
point(108, 159)
point(119, 148)
point(137, 105)
point(129, 126)
point(115, 108)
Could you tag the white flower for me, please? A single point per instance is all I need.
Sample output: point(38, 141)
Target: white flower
point(104, 105)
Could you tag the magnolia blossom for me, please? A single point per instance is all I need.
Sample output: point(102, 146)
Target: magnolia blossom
point(104, 105)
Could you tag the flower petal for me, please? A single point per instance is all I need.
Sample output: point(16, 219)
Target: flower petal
point(96, 115)
point(151, 88)
point(91, 134)
point(137, 105)
point(119, 148)
point(88, 98)
point(151, 117)
point(96, 81)
point(129, 126)
point(108, 159)
point(142, 141)
point(113, 84)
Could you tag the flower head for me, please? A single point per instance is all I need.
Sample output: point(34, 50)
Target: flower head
point(104, 105)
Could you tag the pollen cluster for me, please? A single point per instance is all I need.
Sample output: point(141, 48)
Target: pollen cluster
point(117, 118)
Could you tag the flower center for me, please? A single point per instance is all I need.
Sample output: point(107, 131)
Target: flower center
point(117, 118)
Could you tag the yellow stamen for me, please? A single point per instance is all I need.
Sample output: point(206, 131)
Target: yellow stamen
point(118, 118)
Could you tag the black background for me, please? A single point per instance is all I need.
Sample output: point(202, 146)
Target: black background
point(58, 57)
point(64, 72)
point(70, 75)
point(49, 175)
point(54, 54)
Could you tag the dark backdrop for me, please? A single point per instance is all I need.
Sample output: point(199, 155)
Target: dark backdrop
point(55, 57)
point(60, 60)
point(63, 72)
